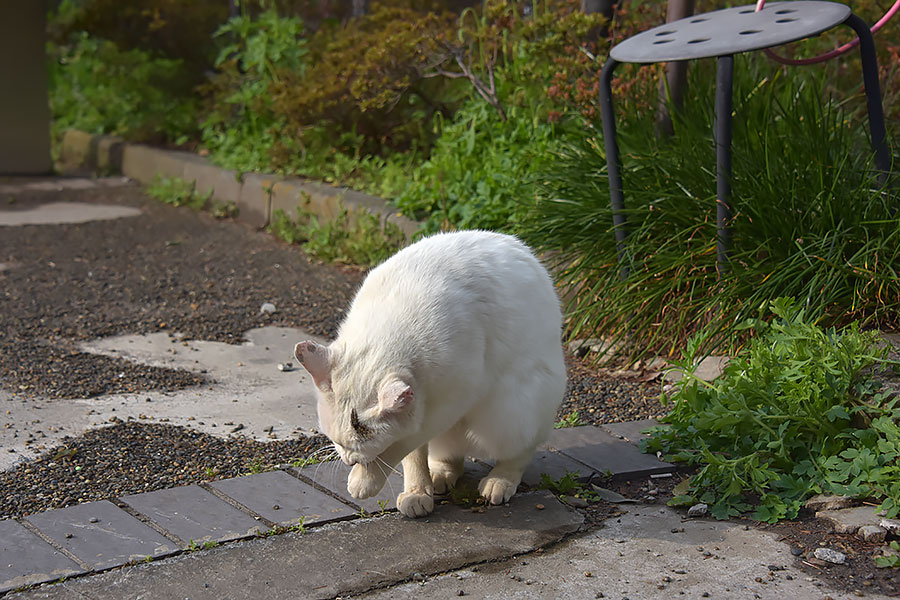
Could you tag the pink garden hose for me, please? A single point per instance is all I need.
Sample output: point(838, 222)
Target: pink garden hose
point(837, 51)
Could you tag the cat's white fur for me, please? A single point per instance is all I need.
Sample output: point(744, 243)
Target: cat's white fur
point(451, 348)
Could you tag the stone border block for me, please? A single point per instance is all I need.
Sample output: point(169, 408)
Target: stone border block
point(283, 499)
point(604, 453)
point(145, 164)
point(223, 184)
point(25, 559)
point(254, 202)
point(194, 515)
point(101, 534)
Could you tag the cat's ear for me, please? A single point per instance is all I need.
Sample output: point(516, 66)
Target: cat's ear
point(316, 359)
point(394, 396)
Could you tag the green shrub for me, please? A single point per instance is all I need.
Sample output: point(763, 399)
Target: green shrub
point(178, 192)
point(367, 78)
point(809, 219)
point(795, 413)
point(95, 87)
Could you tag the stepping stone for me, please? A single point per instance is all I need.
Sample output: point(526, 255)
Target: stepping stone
point(26, 559)
point(555, 466)
point(102, 535)
point(194, 515)
point(295, 500)
point(332, 476)
point(630, 431)
point(604, 453)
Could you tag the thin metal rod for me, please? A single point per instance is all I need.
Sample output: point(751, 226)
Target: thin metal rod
point(873, 93)
point(722, 128)
point(613, 163)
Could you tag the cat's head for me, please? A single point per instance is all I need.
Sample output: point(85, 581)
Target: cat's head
point(362, 413)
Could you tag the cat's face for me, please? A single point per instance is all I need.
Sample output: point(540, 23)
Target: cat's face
point(363, 418)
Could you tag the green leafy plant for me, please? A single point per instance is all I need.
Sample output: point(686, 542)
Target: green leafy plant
point(178, 192)
point(568, 485)
point(353, 237)
point(570, 420)
point(889, 560)
point(795, 413)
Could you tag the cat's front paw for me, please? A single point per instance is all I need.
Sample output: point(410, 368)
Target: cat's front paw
point(415, 504)
point(443, 480)
point(365, 482)
point(496, 490)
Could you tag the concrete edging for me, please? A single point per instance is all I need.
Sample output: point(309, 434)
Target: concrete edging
point(256, 195)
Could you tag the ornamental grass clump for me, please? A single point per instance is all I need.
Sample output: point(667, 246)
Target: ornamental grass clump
point(810, 218)
point(797, 412)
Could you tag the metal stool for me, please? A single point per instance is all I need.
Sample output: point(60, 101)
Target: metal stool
point(722, 34)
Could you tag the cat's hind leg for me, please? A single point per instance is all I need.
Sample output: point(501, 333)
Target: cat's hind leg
point(446, 458)
point(417, 499)
point(500, 484)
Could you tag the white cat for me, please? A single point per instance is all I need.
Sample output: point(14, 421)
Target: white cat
point(451, 348)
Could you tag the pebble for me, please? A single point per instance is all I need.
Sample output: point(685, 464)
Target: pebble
point(697, 510)
point(831, 556)
point(267, 308)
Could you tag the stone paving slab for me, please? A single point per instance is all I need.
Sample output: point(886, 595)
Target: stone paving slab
point(101, 534)
point(332, 476)
point(605, 453)
point(193, 514)
point(338, 559)
point(630, 431)
point(25, 559)
point(283, 499)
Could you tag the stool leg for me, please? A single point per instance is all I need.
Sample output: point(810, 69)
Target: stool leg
point(613, 164)
point(873, 93)
point(724, 79)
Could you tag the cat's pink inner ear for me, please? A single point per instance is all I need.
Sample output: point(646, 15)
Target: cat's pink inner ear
point(394, 396)
point(316, 359)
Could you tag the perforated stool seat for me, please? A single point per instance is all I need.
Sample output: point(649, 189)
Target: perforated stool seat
point(721, 34)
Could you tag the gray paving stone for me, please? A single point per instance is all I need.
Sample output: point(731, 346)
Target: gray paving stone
point(333, 477)
point(25, 559)
point(192, 513)
point(295, 499)
point(554, 465)
point(605, 453)
point(630, 431)
point(101, 534)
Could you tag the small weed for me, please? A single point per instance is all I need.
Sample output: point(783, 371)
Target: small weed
point(382, 504)
point(353, 237)
point(224, 210)
point(178, 192)
point(194, 546)
point(890, 560)
point(568, 485)
point(570, 420)
point(464, 493)
point(210, 472)
point(255, 466)
point(299, 526)
point(305, 462)
point(148, 559)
